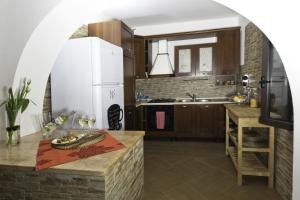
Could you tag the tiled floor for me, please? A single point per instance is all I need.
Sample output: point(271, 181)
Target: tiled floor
point(177, 170)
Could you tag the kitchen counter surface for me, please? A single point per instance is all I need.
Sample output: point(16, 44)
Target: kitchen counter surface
point(243, 111)
point(146, 103)
point(24, 155)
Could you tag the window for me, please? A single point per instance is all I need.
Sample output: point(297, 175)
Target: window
point(276, 99)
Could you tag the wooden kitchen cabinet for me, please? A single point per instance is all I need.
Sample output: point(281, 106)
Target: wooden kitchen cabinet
point(194, 60)
point(227, 52)
point(129, 117)
point(184, 121)
point(140, 118)
point(127, 41)
point(219, 121)
point(200, 121)
point(139, 57)
point(129, 81)
point(205, 121)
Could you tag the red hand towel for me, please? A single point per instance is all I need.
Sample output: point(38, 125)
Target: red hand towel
point(160, 120)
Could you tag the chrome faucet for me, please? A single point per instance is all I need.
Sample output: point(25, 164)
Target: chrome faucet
point(193, 96)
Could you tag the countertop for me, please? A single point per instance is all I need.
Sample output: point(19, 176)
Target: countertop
point(243, 111)
point(24, 155)
point(146, 103)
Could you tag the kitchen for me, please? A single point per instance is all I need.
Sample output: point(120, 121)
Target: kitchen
point(194, 99)
point(192, 102)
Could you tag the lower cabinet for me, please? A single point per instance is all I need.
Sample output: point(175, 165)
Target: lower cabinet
point(200, 121)
point(140, 118)
point(184, 121)
point(205, 121)
point(134, 118)
point(129, 114)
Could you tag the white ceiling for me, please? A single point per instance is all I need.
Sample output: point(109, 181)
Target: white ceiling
point(150, 12)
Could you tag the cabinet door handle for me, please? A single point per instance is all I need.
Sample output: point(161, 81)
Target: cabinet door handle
point(206, 106)
point(184, 106)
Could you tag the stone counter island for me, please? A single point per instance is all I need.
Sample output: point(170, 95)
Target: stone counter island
point(117, 175)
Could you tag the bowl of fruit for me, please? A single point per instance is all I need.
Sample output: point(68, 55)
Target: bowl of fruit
point(239, 98)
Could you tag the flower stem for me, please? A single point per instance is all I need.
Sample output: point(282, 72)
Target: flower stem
point(10, 134)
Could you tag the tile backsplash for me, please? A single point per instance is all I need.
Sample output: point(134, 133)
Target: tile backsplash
point(177, 87)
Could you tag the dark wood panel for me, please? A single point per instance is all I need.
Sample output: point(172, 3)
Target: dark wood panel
point(219, 119)
point(109, 31)
point(227, 52)
point(127, 41)
point(205, 121)
point(129, 117)
point(139, 57)
point(139, 118)
point(184, 121)
point(129, 81)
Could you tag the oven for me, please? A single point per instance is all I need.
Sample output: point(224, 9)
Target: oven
point(160, 118)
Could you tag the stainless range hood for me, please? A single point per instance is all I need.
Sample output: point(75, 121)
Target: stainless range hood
point(162, 63)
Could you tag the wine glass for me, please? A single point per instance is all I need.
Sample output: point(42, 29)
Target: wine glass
point(82, 121)
point(91, 122)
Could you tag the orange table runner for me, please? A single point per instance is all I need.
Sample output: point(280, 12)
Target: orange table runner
point(47, 156)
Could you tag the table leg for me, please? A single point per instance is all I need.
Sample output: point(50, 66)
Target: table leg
point(239, 156)
point(271, 157)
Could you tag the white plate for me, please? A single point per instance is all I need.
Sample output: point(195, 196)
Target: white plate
point(79, 136)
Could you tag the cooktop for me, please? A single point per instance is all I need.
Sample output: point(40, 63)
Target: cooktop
point(162, 100)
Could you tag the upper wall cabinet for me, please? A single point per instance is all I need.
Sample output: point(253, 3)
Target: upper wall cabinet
point(227, 52)
point(194, 60)
point(139, 57)
point(208, 52)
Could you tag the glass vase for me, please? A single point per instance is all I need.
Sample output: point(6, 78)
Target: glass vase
point(13, 136)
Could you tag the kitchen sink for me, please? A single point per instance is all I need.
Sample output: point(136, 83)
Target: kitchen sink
point(184, 100)
point(203, 100)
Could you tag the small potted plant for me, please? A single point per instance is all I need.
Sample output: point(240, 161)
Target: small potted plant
point(14, 106)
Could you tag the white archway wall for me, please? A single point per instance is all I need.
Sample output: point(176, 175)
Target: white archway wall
point(255, 10)
point(38, 67)
point(18, 19)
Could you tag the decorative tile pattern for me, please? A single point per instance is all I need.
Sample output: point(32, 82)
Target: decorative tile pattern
point(177, 87)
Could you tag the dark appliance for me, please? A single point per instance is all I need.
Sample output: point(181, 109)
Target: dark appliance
point(162, 100)
point(114, 116)
point(152, 114)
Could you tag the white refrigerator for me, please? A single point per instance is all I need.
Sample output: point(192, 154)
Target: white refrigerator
point(87, 77)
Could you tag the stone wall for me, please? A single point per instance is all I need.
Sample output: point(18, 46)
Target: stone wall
point(125, 181)
point(177, 87)
point(253, 54)
point(283, 138)
point(284, 163)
